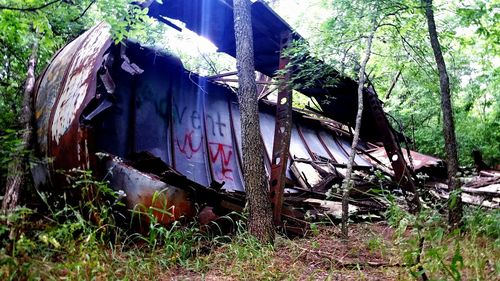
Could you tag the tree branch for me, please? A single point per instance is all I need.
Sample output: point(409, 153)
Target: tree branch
point(29, 9)
point(393, 84)
point(84, 11)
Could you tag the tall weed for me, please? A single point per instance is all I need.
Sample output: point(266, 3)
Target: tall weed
point(428, 247)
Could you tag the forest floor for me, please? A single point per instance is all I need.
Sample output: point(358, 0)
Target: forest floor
point(402, 248)
point(373, 252)
point(369, 254)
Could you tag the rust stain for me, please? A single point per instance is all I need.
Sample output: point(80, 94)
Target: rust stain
point(76, 85)
point(419, 160)
point(167, 205)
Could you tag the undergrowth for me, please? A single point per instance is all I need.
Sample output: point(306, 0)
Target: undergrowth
point(430, 250)
point(87, 239)
point(91, 238)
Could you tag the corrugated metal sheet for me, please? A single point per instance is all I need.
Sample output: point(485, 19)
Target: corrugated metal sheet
point(418, 160)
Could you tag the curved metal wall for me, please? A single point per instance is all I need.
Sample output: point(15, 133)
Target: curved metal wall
point(64, 90)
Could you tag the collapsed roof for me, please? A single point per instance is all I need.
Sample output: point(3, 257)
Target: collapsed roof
point(213, 19)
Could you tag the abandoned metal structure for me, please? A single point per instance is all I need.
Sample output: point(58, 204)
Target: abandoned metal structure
point(166, 130)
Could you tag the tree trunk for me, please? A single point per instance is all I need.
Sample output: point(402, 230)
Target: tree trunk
point(18, 168)
point(348, 183)
point(260, 222)
point(455, 203)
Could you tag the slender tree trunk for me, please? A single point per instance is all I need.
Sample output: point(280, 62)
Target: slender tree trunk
point(348, 183)
point(393, 84)
point(18, 168)
point(260, 222)
point(455, 203)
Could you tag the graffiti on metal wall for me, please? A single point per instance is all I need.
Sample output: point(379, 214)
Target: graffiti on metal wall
point(202, 131)
point(221, 154)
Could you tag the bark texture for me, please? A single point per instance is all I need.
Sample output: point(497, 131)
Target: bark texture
point(18, 168)
point(348, 183)
point(260, 222)
point(455, 203)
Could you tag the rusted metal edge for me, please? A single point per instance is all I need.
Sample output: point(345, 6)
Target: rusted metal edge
point(282, 135)
point(301, 135)
point(402, 173)
point(80, 134)
point(325, 147)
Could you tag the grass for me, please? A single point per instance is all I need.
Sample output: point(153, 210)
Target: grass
point(44, 251)
point(88, 242)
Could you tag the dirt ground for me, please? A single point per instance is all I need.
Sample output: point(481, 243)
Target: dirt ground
point(369, 254)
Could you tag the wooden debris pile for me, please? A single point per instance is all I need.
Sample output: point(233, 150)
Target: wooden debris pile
point(481, 190)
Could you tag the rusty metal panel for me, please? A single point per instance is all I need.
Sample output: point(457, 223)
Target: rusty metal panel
point(419, 160)
point(143, 190)
point(65, 135)
point(50, 84)
point(78, 80)
point(282, 132)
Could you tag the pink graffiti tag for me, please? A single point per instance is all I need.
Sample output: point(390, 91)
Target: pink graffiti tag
point(187, 147)
point(223, 153)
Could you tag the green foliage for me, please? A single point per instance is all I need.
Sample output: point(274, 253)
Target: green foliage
point(478, 221)
point(82, 239)
point(9, 148)
point(443, 254)
point(473, 74)
point(469, 36)
point(83, 233)
point(484, 17)
point(243, 256)
point(69, 229)
point(178, 242)
point(127, 20)
point(51, 26)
